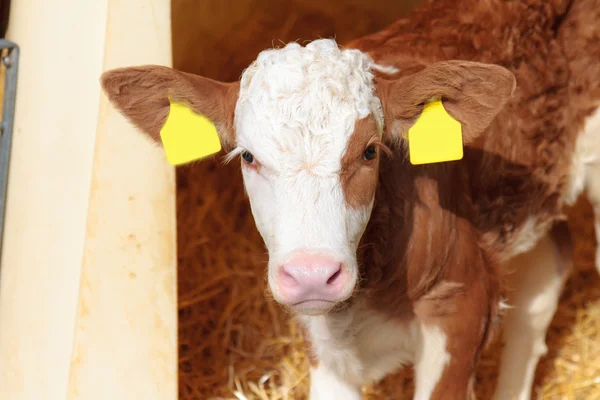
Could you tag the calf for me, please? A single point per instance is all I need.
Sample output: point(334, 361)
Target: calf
point(386, 263)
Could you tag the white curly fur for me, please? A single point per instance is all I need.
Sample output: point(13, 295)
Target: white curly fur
point(306, 99)
point(295, 113)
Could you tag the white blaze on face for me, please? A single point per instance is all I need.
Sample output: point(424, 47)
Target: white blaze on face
point(296, 111)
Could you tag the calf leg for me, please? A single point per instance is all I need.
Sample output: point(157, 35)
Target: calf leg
point(537, 282)
point(326, 385)
point(431, 361)
point(455, 323)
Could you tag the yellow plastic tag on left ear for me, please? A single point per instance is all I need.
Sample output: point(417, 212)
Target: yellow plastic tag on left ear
point(435, 137)
point(187, 136)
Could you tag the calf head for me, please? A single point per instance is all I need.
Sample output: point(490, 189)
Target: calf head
point(310, 125)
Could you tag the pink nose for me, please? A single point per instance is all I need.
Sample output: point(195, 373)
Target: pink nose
point(311, 278)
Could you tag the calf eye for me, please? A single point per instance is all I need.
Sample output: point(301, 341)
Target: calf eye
point(248, 157)
point(370, 153)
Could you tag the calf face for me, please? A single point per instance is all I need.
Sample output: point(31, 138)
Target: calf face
point(310, 125)
point(309, 128)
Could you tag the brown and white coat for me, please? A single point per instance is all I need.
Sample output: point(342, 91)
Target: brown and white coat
point(385, 263)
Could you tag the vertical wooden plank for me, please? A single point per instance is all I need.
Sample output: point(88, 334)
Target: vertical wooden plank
point(62, 48)
point(87, 285)
point(126, 331)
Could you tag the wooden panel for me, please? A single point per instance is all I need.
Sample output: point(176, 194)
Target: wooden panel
point(48, 191)
point(87, 292)
point(126, 332)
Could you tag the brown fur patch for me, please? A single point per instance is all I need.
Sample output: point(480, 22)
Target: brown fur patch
point(518, 166)
point(359, 177)
point(452, 222)
point(439, 301)
point(142, 93)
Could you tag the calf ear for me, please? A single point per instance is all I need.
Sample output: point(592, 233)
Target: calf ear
point(142, 94)
point(473, 93)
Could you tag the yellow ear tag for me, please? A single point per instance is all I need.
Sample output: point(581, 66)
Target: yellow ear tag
point(187, 136)
point(435, 137)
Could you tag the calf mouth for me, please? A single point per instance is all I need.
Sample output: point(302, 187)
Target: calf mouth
point(313, 307)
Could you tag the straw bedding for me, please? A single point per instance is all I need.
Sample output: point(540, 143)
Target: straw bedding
point(235, 342)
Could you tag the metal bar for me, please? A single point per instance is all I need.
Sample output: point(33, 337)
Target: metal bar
point(11, 62)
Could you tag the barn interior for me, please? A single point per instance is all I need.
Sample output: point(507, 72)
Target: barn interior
point(234, 341)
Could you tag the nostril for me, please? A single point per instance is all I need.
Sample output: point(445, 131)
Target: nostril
point(335, 276)
point(287, 278)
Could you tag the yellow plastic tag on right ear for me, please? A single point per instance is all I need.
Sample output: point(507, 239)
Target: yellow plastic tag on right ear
point(188, 136)
point(435, 137)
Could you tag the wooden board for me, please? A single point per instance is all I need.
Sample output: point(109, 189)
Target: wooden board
point(87, 291)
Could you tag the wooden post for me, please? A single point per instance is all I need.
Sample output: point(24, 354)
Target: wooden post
point(88, 271)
